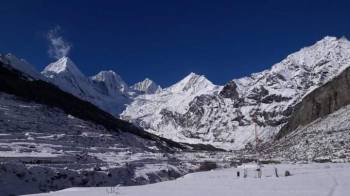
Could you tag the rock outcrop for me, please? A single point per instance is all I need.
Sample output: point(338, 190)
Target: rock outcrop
point(320, 102)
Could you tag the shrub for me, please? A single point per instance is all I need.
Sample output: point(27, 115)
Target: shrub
point(207, 166)
point(287, 173)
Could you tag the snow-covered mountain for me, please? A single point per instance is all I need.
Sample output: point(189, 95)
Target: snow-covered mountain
point(196, 111)
point(263, 101)
point(110, 83)
point(146, 86)
point(68, 77)
point(50, 140)
point(106, 90)
point(175, 97)
point(149, 109)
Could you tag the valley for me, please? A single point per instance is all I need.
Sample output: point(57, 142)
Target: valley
point(62, 129)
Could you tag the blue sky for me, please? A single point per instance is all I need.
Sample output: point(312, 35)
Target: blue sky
point(166, 40)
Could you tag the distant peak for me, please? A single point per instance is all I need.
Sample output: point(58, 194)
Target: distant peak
point(147, 86)
point(65, 62)
point(192, 81)
point(106, 75)
point(148, 80)
point(112, 81)
point(331, 40)
point(62, 65)
point(193, 77)
point(328, 38)
point(192, 74)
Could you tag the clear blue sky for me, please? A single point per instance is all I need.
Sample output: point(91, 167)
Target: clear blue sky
point(165, 40)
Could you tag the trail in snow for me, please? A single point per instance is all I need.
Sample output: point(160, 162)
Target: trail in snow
point(334, 187)
point(306, 180)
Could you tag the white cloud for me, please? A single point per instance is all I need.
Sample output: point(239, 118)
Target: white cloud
point(58, 47)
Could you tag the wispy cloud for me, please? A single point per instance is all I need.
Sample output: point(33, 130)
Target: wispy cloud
point(58, 47)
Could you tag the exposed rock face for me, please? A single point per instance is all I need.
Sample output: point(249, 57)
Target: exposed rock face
point(320, 102)
point(230, 90)
point(324, 139)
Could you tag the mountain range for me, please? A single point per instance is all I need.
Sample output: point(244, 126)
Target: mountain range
point(51, 139)
point(194, 110)
point(258, 105)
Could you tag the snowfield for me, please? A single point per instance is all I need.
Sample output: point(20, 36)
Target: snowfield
point(313, 179)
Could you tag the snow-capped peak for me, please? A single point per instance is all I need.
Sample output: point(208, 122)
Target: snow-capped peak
point(62, 65)
point(66, 75)
point(329, 49)
point(106, 90)
point(192, 82)
point(147, 86)
point(112, 81)
point(331, 40)
point(327, 39)
point(228, 121)
point(175, 98)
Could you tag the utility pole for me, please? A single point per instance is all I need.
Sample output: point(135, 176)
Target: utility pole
point(257, 141)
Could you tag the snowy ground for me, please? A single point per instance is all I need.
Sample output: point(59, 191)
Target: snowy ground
point(325, 179)
point(44, 149)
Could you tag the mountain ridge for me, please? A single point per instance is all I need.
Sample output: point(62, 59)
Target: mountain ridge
point(265, 99)
point(197, 111)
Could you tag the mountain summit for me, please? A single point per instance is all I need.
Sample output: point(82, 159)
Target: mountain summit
point(113, 83)
point(66, 75)
point(62, 65)
point(192, 83)
point(107, 90)
point(150, 108)
point(147, 86)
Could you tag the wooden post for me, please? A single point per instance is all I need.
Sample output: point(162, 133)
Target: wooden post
point(259, 172)
point(276, 172)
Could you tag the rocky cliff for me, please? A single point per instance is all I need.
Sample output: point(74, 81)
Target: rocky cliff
point(320, 102)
